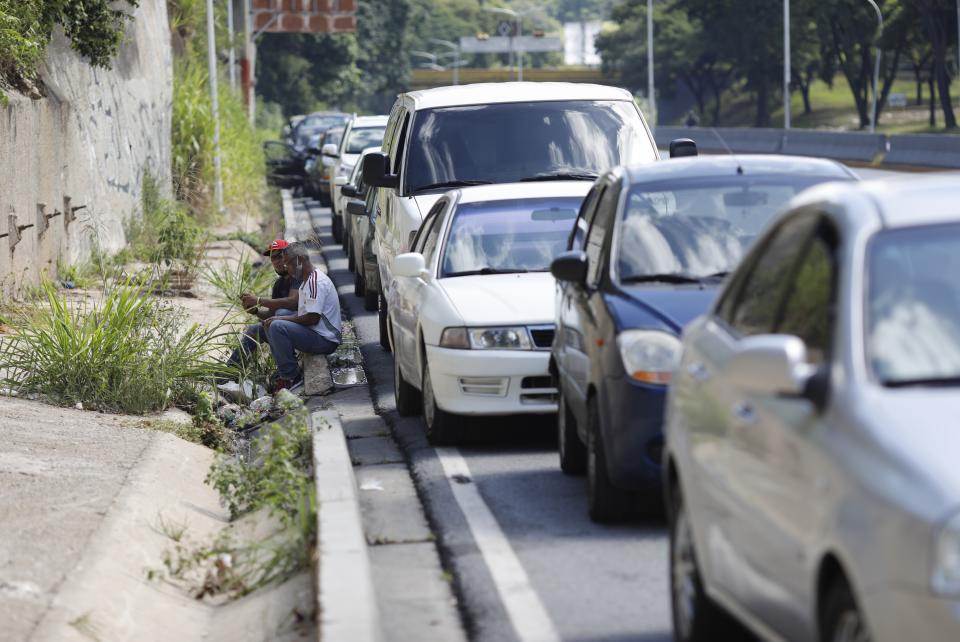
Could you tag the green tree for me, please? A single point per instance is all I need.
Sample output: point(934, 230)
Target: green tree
point(938, 17)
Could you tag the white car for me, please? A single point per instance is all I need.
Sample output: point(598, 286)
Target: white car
point(495, 133)
point(472, 311)
point(361, 133)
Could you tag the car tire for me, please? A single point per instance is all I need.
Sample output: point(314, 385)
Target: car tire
point(439, 425)
point(841, 619)
point(337, 228)
point(695, 617)
point(382, 313)
point(359, 284)
point(573, 454)
point(407, 397)
point(370, 299)
point(351, 260)
point(607, 502)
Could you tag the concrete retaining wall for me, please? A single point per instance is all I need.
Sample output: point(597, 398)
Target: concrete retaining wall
point(922, 151)
point(87, 143)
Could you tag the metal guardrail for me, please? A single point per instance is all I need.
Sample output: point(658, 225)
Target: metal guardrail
point(921, 151)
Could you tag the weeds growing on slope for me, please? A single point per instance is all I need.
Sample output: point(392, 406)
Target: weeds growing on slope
point(127, 352)
point(233, 279)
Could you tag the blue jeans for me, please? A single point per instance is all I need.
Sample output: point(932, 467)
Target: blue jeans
point(252, 337)
point(285, 337)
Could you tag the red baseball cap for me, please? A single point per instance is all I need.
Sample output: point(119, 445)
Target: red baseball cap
point(277, 246)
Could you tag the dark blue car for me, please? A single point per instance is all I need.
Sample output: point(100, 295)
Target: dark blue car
point(649, 249)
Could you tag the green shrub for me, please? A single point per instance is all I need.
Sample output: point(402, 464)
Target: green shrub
point(165, 232)
point(127, 352)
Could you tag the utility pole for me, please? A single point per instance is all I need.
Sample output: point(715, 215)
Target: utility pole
point(215, 104)
point(786, 64)
point(519, 49)
point(231, 53)
point(247, 65)
point(651, 96)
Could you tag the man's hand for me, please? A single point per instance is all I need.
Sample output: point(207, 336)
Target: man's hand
point(267, 322)
point(249, 302)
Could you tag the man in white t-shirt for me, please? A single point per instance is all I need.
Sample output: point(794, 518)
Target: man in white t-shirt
point(316, 327)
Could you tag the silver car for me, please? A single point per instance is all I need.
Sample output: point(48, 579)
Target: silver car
point(812, 475)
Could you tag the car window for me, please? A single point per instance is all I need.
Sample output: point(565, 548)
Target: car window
point(578, 235)
point(509, 142)
point(510, 235)
point(362, 137)
point(602, 219)
point(423, 232)
point(761, 290)
point(391, 131)
point(808, 308)
point(430, 242)
point(400, 144)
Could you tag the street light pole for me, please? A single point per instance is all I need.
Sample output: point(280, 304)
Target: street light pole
point(455, 48)
point(215, 105)
point(518, 17)
point(786, 64)
point(519, 49)
point(651, 96)
point(231, 53)
point(876, 66)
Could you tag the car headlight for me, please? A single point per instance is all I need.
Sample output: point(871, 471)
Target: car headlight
point(649, 355)
point(503, 338)
point(945, 578)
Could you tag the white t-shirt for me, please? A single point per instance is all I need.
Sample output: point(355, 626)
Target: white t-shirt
point(319, 295)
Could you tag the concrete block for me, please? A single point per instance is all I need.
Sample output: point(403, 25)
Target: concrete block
point(359, 427)
point(317, 379)
point(924, 150)
point(374, 450)
point(389, 505)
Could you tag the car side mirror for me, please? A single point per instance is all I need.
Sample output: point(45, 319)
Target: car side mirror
point(411, 265)
point(376, 171)
point(340, 181)
point(330, 149)
point(349, 190)
point(571, 267)
point(682, 147)
point(357, 208)
point(775, 364)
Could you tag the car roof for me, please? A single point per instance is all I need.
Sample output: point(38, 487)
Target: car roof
point(509, 191)
point(512, 92)
point(370, 121)
point(897, 202)
point(752, 164)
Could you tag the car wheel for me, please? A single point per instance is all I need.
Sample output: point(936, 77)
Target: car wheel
point(439, 424)
point(359, 284)
point(337, 228)
point(842, 619)
point(407, 397)
point(607, 502)
point(696, 617)
point(573, 454)
point(382, 312)
point(370, 298)
point(351, 260)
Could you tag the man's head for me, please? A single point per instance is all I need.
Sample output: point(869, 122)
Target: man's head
point(275, 252)
point(297, 259)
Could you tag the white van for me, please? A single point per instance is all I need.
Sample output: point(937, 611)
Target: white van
point(448, 137)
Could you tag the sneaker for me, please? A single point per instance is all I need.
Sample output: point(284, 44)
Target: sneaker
point(293, 385)
point(281, 384)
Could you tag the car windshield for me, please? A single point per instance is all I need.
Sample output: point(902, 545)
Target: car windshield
point(699, 228)
point(511, 142)
point(363, 137)
point(519, 235)
point(333, 136)
point(913, 306)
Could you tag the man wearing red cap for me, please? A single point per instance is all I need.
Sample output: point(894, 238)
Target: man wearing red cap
point(282, 302)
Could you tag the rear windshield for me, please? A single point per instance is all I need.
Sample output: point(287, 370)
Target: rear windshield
point(518, 235)
point(504, 143)
point(364, 137)
point(913, 306)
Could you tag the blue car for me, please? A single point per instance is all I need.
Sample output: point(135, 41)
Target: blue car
point(650, 247)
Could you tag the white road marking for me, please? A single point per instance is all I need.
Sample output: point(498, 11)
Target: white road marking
point(527, 614)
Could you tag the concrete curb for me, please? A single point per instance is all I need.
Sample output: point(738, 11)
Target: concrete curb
point(347, 608)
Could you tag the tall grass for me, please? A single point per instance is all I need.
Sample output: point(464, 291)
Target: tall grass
point(127, 352)
point(193, 148)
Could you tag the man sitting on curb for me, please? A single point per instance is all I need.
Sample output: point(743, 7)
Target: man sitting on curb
point(282, 302)
point(316, 327)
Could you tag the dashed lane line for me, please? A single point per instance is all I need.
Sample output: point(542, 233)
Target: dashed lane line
point(528, 616)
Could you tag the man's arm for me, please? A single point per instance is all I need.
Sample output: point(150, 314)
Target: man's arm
point(310, 318)
point(287, 303)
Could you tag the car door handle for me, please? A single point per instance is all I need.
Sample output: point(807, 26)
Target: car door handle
point(744, 413)
point(698, 371)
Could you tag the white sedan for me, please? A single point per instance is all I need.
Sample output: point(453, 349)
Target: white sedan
point(472, 313)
